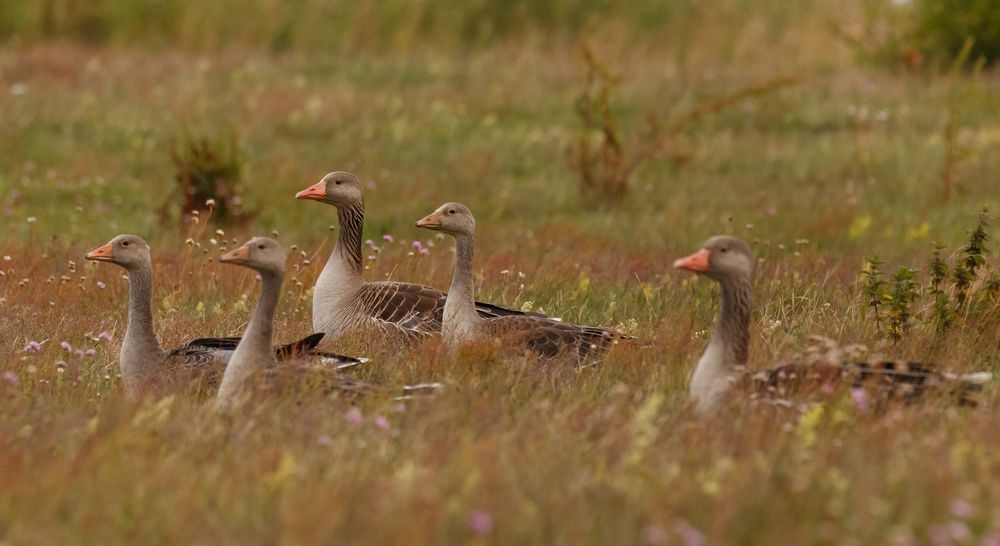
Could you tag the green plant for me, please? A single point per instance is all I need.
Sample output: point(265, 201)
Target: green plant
point(209, 173)
point(874, 290)
point(900, 302)
point(942, 314)
point(943, 27)
point(975, 257)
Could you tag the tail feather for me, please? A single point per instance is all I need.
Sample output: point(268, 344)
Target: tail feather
point(299, 347)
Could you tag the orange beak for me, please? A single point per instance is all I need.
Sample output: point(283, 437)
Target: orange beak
point(235, 255)
point(102, 254)
point(316, 192)
point(431, 221)
point(697, 262)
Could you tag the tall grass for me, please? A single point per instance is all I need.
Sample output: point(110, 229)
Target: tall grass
point(819, 176)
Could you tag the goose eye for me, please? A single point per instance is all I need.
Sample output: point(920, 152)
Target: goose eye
point(337, 182)
point(261, 247)
point(124, 243)
point(452, 211)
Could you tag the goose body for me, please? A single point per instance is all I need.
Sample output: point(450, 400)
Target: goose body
point(253, 362)
point(343, 302)
point(723, 366)
point(464, 323)
point(144, 363)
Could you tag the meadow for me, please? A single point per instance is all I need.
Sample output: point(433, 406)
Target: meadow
point(850, 162)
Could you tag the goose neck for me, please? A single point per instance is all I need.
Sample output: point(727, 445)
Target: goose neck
point(352, 223)
point(460, 308)
point(140, 351)
point(254, 351)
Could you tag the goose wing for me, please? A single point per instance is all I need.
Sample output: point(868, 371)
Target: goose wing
point(407, 305)
point(550, 338)
point(891, 379)
point(224, 346)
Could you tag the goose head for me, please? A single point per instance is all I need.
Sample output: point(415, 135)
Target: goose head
point(339, 188)
point(721, 258)
point(262, 254)
point(451, 218)
point(128, 251)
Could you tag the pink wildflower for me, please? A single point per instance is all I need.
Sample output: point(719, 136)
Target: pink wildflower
point(101, 285)
point(959, 531)
point(962, 509)
point(938, 535)
point(480, 522)
point(860, 398)
point(388, 238)
point(104, 336)
point(690, 534)
point(354, 416)
point(381, 423)
point(654, 534)
point(33, 347)
point(66, 345)
point(11, 378)
point(90, 352)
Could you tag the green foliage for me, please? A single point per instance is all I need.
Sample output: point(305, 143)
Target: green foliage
point(899, 306)
point(944, 26)
point(874, 290)
point(975, 257)
point(942, 313)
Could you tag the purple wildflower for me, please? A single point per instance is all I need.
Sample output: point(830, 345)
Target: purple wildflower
point(11, 378)
point(104, 336)
point(860, 398)
point(79, 353)
point(33, 347)
point(66, 345)
point(962, 509)
point(101, 285)
point(654, 534)
point(90, 352)
point(388, 238)
point(938, 535)
point(480, 522)
point(690, 534)
point(959, 531)
point(990, 539)
point(354, 416)
point(419, 247)
point(381, 423)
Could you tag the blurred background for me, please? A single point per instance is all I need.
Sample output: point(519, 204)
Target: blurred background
point(860, 122)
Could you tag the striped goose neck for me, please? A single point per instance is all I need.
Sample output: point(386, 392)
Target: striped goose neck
point(732, 330)
point(352, 223)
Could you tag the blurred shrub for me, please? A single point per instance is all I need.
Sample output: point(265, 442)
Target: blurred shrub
point(943, 26)
point(912, 33)
point(352, 25)
point(209, 174)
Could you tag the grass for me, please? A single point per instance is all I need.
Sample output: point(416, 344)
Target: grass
point(821, 176)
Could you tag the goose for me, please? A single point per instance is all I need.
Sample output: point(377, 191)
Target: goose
point(463, 324)
point(253, 354)
point(344, 302)
point(729, 261)
point(142, 361)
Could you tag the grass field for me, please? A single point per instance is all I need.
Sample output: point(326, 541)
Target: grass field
point(845, 165)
